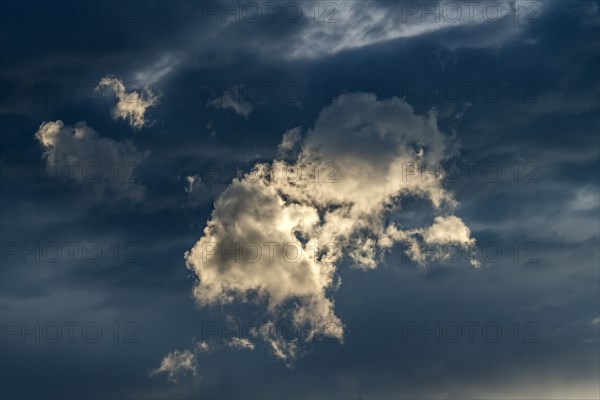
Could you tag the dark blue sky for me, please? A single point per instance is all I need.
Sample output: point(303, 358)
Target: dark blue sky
point(96, 298)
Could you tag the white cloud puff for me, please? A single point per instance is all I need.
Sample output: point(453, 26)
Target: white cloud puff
point(177, 364)
point(131, 105)
point(278, 234)
point(103, 165)
point(448, 230)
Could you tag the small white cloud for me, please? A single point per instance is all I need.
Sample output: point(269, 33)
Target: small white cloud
point(132, 105)
point(595, 321)
point(176, 365)
point(448, 230)
point(203, 346)
point(191, 182)
point(233, 99)
point(198, 192)
point(240, 343)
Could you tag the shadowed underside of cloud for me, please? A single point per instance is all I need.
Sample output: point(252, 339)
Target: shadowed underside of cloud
point(290, 224)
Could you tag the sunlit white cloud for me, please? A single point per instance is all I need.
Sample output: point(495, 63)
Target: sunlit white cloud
point(278, 234)
point(131, 105)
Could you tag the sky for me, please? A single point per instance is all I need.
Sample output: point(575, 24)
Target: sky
point(308, 200)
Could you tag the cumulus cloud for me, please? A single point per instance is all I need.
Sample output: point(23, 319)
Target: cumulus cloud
point(103, 165)
point(177, 364)
point(277, 235)
point(232, 99)
point(131, 105)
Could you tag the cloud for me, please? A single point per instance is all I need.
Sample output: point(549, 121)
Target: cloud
point(203, 346)
point(232, 99)
point(191, 181)
point(132, 105)
point(277, 235)
point(103, 165)
point(195, 189)
point(586, 198)
point(200, 193)
point(240, 343)
point(334, 27)
point(445, 231)
point(158, 70)
point(290, 142)
point(177, 364)
point(448, 230)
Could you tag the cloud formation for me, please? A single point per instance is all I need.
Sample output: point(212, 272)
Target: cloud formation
point(105, 166)
point(277, 235)
point(131, 105)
